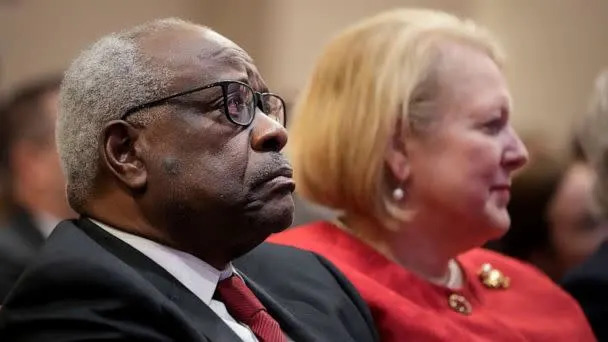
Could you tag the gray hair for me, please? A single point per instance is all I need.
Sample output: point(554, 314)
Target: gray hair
point(594, 138)
point(107, 79)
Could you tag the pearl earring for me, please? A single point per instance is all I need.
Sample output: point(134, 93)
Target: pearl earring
point(398, 194)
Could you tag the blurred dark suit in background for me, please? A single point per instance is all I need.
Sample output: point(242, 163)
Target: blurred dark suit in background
point(33, 184)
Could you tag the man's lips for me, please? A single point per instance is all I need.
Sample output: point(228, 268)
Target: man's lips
point(282, 182)
point(278, 178)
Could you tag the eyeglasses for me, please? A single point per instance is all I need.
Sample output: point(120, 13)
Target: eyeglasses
point(239, 103)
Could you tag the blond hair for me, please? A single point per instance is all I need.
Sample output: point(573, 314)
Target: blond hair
point(370, 78)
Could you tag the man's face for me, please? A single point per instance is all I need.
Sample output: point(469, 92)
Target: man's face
point(37, 168)
point(208, 178)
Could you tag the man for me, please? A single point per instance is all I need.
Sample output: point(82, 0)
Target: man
point(170, 143)
point(588, 283)
point(35, 187)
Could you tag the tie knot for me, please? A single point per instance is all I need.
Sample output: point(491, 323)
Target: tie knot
point(245, 307)
point(239, 299)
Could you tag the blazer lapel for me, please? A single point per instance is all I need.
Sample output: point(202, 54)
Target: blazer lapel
point(186, 304)
point(207, 322)
point(290, 325)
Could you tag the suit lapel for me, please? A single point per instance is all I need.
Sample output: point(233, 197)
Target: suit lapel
point(186, 304)
point(207, 322)
point(288, 322)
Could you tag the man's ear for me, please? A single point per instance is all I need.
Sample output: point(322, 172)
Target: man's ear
point(121, 154)
point(396, 157)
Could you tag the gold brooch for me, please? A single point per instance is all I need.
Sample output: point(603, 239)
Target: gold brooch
point(493, 278)
point(460, 304)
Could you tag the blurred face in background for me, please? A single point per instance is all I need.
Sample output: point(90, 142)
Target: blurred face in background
point(462, 167)
point(36, 166)
point(575, 231)
point(47, 164)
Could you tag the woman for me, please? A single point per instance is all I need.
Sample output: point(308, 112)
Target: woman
point(404, 126)
point(553, 224)
point(588, 283)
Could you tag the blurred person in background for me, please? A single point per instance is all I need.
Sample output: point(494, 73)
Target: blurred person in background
point(404, 126)
point(553, 225)
point(33, 184)
point(170, 141)
point(588, 283)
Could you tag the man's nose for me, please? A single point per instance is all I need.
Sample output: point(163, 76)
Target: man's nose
point(268, 135)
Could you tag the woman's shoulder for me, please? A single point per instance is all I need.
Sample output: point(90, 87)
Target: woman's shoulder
point(322, 237)
point(519, 271)
point(481, 256)
point(530, 295)
point(524, 279)
point(334, 243)
point(315, 232)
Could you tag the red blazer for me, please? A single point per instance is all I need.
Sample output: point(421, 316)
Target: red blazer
point(408, 308)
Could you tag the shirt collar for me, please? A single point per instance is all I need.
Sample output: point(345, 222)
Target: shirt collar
point(45, 222)
point(196, 275)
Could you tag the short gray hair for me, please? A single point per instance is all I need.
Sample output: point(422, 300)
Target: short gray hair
point(594, 138)
point(107, 79)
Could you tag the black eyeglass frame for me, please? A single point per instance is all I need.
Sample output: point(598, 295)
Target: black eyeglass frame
point(257, 98)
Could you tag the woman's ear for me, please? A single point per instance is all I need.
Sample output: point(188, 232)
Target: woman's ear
point(121, 156)
point(396, 157)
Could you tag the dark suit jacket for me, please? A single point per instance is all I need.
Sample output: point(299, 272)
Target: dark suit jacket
point(588, 283)
point(19, 242)
point(87, 285)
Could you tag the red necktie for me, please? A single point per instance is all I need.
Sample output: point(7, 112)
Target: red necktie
point(243, 305)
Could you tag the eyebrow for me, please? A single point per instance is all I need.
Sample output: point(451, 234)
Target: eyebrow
point(261, 87)
point(265, 89)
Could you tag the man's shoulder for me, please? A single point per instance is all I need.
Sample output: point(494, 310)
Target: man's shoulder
point(76, 289)
point(17, 236)
point(69, 245)
point(308, 284)
point(8, 231)
point(71, 261)
point(271, 250)
point(288, 272)
point(19, 243)
point(80, 286)
point(11, 241)
point(274, 259)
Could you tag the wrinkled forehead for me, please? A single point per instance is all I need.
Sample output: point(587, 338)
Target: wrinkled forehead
point(196, 56)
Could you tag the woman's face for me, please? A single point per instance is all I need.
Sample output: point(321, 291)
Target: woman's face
point(460, 168)
point(575, 231)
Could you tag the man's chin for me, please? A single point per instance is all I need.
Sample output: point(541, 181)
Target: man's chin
point(278, 220)
point(263, 226)
point(274, 215)
point(281, 225)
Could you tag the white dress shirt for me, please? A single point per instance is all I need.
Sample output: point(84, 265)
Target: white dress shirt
point(196, 275)
point(45, 223)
